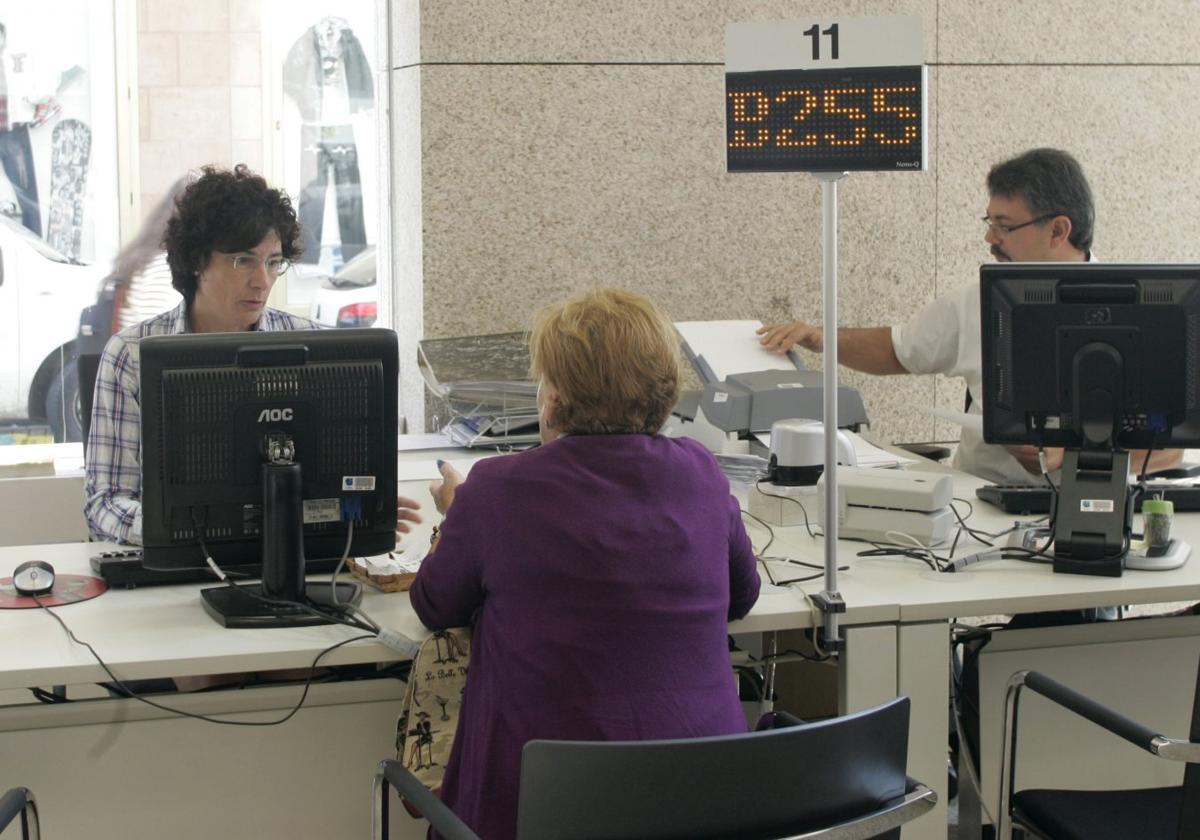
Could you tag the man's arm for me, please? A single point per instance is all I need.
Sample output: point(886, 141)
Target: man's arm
point(1160, 459)
point(868, 349)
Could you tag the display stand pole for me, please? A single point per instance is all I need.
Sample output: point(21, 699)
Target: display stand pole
point(830, 600)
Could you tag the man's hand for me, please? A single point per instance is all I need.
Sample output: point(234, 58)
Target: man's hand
point(1160, 459)
point(406, 511)
point(1027, 457)
point(779, 338)
point(443, 489)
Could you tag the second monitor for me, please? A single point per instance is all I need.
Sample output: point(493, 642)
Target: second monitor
point(1099, 359)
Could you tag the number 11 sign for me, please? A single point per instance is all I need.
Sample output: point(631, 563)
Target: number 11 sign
point(825, 96)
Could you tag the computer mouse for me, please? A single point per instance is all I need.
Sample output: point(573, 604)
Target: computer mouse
point(33, 577)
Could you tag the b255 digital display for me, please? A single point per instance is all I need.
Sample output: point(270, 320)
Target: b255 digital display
point(850, 119)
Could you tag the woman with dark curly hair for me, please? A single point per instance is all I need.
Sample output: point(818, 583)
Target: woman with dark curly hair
point(230, 238)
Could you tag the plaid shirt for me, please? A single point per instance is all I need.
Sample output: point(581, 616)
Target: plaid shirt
point(113, 492)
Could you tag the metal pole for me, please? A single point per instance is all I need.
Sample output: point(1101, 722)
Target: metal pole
point(831, 599)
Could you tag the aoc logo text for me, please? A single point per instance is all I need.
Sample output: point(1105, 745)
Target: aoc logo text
point(274, 415)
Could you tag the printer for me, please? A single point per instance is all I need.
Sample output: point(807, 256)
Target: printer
point(747, 388)
point(873, 502)
point(752, 402)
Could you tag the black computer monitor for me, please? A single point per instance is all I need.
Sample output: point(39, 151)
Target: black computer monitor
point(263, 448)
point(1096, 358)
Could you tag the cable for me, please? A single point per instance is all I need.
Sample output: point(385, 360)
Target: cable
point(133, 695)
point(815, 612)
point(820, 573)
point(797, 502)
point(770, 532)
point(1145, 463)
point(356, 611)
point(765, 559)
point(308, 607)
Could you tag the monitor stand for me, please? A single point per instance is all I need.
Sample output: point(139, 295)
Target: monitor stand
point(282, 566)
point(1093, 513)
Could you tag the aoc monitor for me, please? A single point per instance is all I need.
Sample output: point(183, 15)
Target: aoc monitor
point(268, 448)
point(1099, 359)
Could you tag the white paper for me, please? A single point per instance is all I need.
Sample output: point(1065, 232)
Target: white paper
point(431, 440)
point(866, 453)
point(731, 347)
point(970, 422)
point(427, 469)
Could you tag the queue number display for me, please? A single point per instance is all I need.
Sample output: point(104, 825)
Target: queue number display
point(851, 119)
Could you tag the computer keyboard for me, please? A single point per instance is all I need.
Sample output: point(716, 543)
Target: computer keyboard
point(123, 568)
point(1030, 499)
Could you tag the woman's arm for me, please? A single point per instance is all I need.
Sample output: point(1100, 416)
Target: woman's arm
point(744, 582)
point(448, 589)
point(113, 489)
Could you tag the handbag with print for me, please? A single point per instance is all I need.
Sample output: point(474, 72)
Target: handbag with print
point(429, 716)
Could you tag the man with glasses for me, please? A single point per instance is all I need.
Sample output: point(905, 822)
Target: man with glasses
point(228, 241)
point(1040, 209)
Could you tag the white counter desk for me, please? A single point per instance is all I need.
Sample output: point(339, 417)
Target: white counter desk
point(910, 654)
point(114, 768)
point(309, 777)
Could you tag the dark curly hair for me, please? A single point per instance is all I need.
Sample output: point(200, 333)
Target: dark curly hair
point(228, 211)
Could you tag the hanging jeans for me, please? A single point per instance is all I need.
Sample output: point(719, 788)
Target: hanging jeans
point(16, 156)
point(325, 146)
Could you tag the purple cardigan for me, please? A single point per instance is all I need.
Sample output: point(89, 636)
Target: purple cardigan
point(600, 573)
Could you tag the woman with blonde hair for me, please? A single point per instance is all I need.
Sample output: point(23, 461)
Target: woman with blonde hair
point(599, 571)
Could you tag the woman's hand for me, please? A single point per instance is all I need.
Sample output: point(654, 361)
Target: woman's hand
point(443, 489)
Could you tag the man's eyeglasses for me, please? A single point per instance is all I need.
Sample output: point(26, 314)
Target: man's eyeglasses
point(250, 264)
point(1005, 229)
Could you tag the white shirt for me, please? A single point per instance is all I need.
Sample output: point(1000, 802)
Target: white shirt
point(943, 337)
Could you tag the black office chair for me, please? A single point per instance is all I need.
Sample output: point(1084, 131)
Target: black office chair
point(835, 779)
point(1166, 813)
point(87, 365)
point(20, 802)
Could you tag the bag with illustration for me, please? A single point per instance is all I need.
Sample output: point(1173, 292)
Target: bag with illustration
point(429, 717)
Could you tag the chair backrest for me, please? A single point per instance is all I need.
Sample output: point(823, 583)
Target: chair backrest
point(1189, 813)
point(87, 364)
point(768, 784)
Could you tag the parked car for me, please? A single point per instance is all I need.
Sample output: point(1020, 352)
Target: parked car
point(349, 298)
point(41, 295)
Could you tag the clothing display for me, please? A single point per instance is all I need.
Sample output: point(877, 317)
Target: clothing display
point(113, 486)
point(325, 147)
point(327, 75)
point(599, 573)
point(71, 148)
point(944, 337)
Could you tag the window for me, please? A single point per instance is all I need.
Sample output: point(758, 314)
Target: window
point(59, 210)
point(299, 100)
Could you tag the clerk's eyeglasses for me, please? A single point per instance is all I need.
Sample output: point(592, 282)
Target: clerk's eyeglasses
point(1005, 229)
point(249, 264)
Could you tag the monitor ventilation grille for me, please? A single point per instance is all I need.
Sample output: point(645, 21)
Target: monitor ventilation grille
point(1002, 333)
point(200, 401)
point(1039, 292)
point(1158, 292)
point(1192, 368)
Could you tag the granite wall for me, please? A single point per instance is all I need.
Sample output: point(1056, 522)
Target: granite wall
point(543, 146)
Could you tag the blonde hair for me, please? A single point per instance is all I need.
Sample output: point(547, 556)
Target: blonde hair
point(613, 357)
